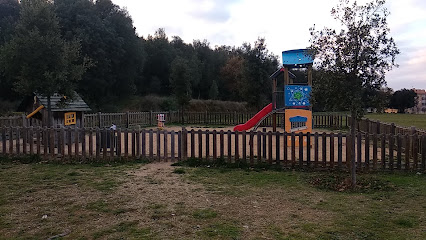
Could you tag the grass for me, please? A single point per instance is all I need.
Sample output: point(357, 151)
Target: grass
point(59, 191)
point(406, 120)
point(392, 209)
point(219, 202)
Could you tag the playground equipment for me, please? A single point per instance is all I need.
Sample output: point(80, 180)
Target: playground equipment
point(292, 100)
point(160, 121)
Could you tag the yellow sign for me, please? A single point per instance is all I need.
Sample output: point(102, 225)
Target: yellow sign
point(70, 118)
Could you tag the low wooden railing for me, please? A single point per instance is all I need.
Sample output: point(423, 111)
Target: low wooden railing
point(318, 150)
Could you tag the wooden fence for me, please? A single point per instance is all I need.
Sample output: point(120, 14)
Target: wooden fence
point(368, 126)
point(19, 121)
point(318, 150)
point(144, 119)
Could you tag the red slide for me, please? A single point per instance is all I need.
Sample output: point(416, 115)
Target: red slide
point(252, 122)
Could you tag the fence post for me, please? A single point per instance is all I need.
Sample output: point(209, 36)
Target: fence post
point(378, 127)
point(99, 120)
point(82, 119)
point(127, 119)
point(150, 118)
point(24, 120)
point(415, 149)
point(392, 130)
point(423, 152)
point(184, 143)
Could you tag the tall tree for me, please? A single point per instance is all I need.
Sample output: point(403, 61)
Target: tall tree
point(403, 99)
point(9, 15)
point(232, 72)
point(214, 91)
point(180, 82)
point(355, 57)
point(108, 37)
point(258, 66)
point(156, 71)
point(37, 59)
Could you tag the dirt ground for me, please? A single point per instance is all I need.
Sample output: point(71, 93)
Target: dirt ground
point(154, 189)
point(164, 203)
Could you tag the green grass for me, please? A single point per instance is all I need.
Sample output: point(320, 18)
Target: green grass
point(382, 212)
point(204, 213)
point(221, 230)
point(405, 120)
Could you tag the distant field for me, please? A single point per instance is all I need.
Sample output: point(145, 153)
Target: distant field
point(407, 120)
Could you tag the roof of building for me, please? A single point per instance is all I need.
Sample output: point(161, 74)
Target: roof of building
point(297, 58)
point(419, 91)
point(57, 105)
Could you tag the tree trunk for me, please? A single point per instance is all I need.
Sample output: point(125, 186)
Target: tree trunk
point(49, 112)
point(353, 138)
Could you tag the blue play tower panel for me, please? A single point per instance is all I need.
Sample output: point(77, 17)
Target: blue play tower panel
point(297, 95)
point(298, 119)
point(297, 57)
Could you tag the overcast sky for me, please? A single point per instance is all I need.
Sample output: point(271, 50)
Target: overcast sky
point(283, 23)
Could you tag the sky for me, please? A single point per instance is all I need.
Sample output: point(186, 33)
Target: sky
point(283, 23)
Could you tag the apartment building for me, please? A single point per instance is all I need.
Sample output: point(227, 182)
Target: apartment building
point(421, 101)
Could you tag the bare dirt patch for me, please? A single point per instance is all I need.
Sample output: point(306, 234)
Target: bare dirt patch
point(166, 202)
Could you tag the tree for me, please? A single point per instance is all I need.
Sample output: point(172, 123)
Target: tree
point(156, 71)
point(179, 79)
point(214, 91)
point(37, 59)
point(258, 66)
point(9, 15)
point(403, 99)
point(355, 58)
point(232, 73)
point(107, 36)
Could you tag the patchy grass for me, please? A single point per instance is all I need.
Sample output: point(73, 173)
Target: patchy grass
point(221, 230)
point(406, 120)
point(384, 206)
point(136, 201)
point(179, 171)
point(204, 213)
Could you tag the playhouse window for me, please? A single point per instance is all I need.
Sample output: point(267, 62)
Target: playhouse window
point(298, 125)
point(70, 118)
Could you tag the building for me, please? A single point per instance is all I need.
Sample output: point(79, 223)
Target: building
point(421, 101)
point(64, 113)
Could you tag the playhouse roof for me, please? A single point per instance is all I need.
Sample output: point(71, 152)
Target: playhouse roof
point(77, 104)
point(297, 58)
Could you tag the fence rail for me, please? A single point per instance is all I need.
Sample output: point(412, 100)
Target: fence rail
point(318, 150)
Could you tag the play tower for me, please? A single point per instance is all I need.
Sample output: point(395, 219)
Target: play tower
point(290, 94)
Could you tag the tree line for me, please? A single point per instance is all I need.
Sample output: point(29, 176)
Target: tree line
point(92, 47)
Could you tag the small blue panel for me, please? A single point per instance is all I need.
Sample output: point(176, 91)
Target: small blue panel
point(298, 119)
point(297, 95)
point(297, 57)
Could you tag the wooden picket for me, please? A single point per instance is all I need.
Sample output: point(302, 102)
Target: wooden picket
point(318, 150)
